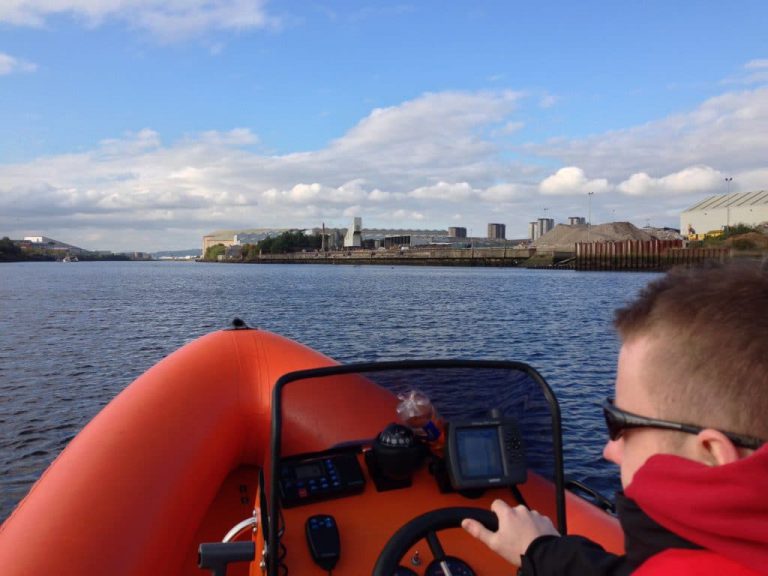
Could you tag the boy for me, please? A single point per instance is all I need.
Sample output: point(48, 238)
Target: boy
point(687, 428)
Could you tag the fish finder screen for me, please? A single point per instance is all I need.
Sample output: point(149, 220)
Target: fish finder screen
point(479, 452)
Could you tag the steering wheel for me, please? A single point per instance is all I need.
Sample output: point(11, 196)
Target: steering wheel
point(425, 526)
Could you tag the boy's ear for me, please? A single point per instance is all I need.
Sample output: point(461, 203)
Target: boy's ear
point(714, 448)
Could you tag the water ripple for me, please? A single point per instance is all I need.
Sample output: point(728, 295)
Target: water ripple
point(72, 337)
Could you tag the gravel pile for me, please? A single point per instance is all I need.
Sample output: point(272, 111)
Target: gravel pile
point(563, 237)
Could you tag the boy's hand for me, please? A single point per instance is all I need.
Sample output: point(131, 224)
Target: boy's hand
point(518, 527)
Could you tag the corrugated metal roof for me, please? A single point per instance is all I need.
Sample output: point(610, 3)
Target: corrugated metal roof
point(757, 198)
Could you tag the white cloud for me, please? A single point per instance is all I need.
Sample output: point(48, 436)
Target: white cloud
point(9, 65)
point(435, 127)
point(570, 181)
point(407, 216)
point(304, 193)
point(728, 132)
point(693, 180)
point(504, 193)
point(760, 64)
point(512, 127)
point(656, 170)
point(379, 195)
point(548, 101)
point(422, 162)
point(445, 191)
point(384, 168)
point(133, 143)
point(754, 72)
point(167, 19)
point(756, 179)
point(236, 137)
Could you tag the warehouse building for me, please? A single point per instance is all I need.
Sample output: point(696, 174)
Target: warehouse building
point(724, 210)
point(231, 238)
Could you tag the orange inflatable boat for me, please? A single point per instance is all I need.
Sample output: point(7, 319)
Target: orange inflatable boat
point(245, 453)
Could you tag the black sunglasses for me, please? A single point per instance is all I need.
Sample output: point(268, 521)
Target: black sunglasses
point(619, 420)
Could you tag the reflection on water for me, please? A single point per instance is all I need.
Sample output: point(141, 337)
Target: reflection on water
point(71, 337)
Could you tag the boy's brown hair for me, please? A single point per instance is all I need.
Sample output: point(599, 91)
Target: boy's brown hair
point(709, 359)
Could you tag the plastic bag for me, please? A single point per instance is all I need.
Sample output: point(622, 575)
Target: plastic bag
point(415, 409)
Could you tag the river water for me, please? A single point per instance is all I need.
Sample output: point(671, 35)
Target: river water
point(74, 335)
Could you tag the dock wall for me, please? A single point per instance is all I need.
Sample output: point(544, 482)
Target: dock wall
point(642, 255)
point(625, 255)
point(508, 257)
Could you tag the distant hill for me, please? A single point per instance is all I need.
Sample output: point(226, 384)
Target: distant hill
point(176, 253)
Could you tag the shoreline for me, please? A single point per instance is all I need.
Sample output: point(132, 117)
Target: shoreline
point(597, 259)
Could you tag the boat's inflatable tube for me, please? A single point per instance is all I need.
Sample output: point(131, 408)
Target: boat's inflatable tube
point(128, 494)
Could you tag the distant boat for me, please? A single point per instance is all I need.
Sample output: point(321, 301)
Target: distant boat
point(70, 259)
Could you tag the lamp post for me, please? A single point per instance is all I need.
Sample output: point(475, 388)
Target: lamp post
point(727, 203)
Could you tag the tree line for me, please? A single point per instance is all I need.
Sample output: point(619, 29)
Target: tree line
point(12, 252)
point(285, 243)
point(9, 252)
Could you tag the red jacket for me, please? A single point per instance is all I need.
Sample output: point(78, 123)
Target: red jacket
point(723, 509)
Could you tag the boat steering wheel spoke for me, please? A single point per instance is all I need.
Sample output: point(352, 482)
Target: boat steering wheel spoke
point(425, 527)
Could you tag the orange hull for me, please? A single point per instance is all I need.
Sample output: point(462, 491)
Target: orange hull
point(173, 461)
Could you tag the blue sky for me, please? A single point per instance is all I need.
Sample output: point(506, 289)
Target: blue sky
point(144, 124)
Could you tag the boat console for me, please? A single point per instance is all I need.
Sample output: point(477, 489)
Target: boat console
point(351, 490)
point(373, 495)
point(328, 477)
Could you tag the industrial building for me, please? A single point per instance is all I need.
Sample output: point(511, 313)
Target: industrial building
point(357, 237)
point(353, 238)
point(389, 238)
point(537, 229)
point(239, 237)
point(497, 231)
point(335, 238)
point(719, 212)
point(457, 232)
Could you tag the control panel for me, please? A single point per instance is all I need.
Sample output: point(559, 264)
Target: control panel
point(312, 479)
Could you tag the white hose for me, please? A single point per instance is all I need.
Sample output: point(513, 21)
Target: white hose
point(241, 527)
